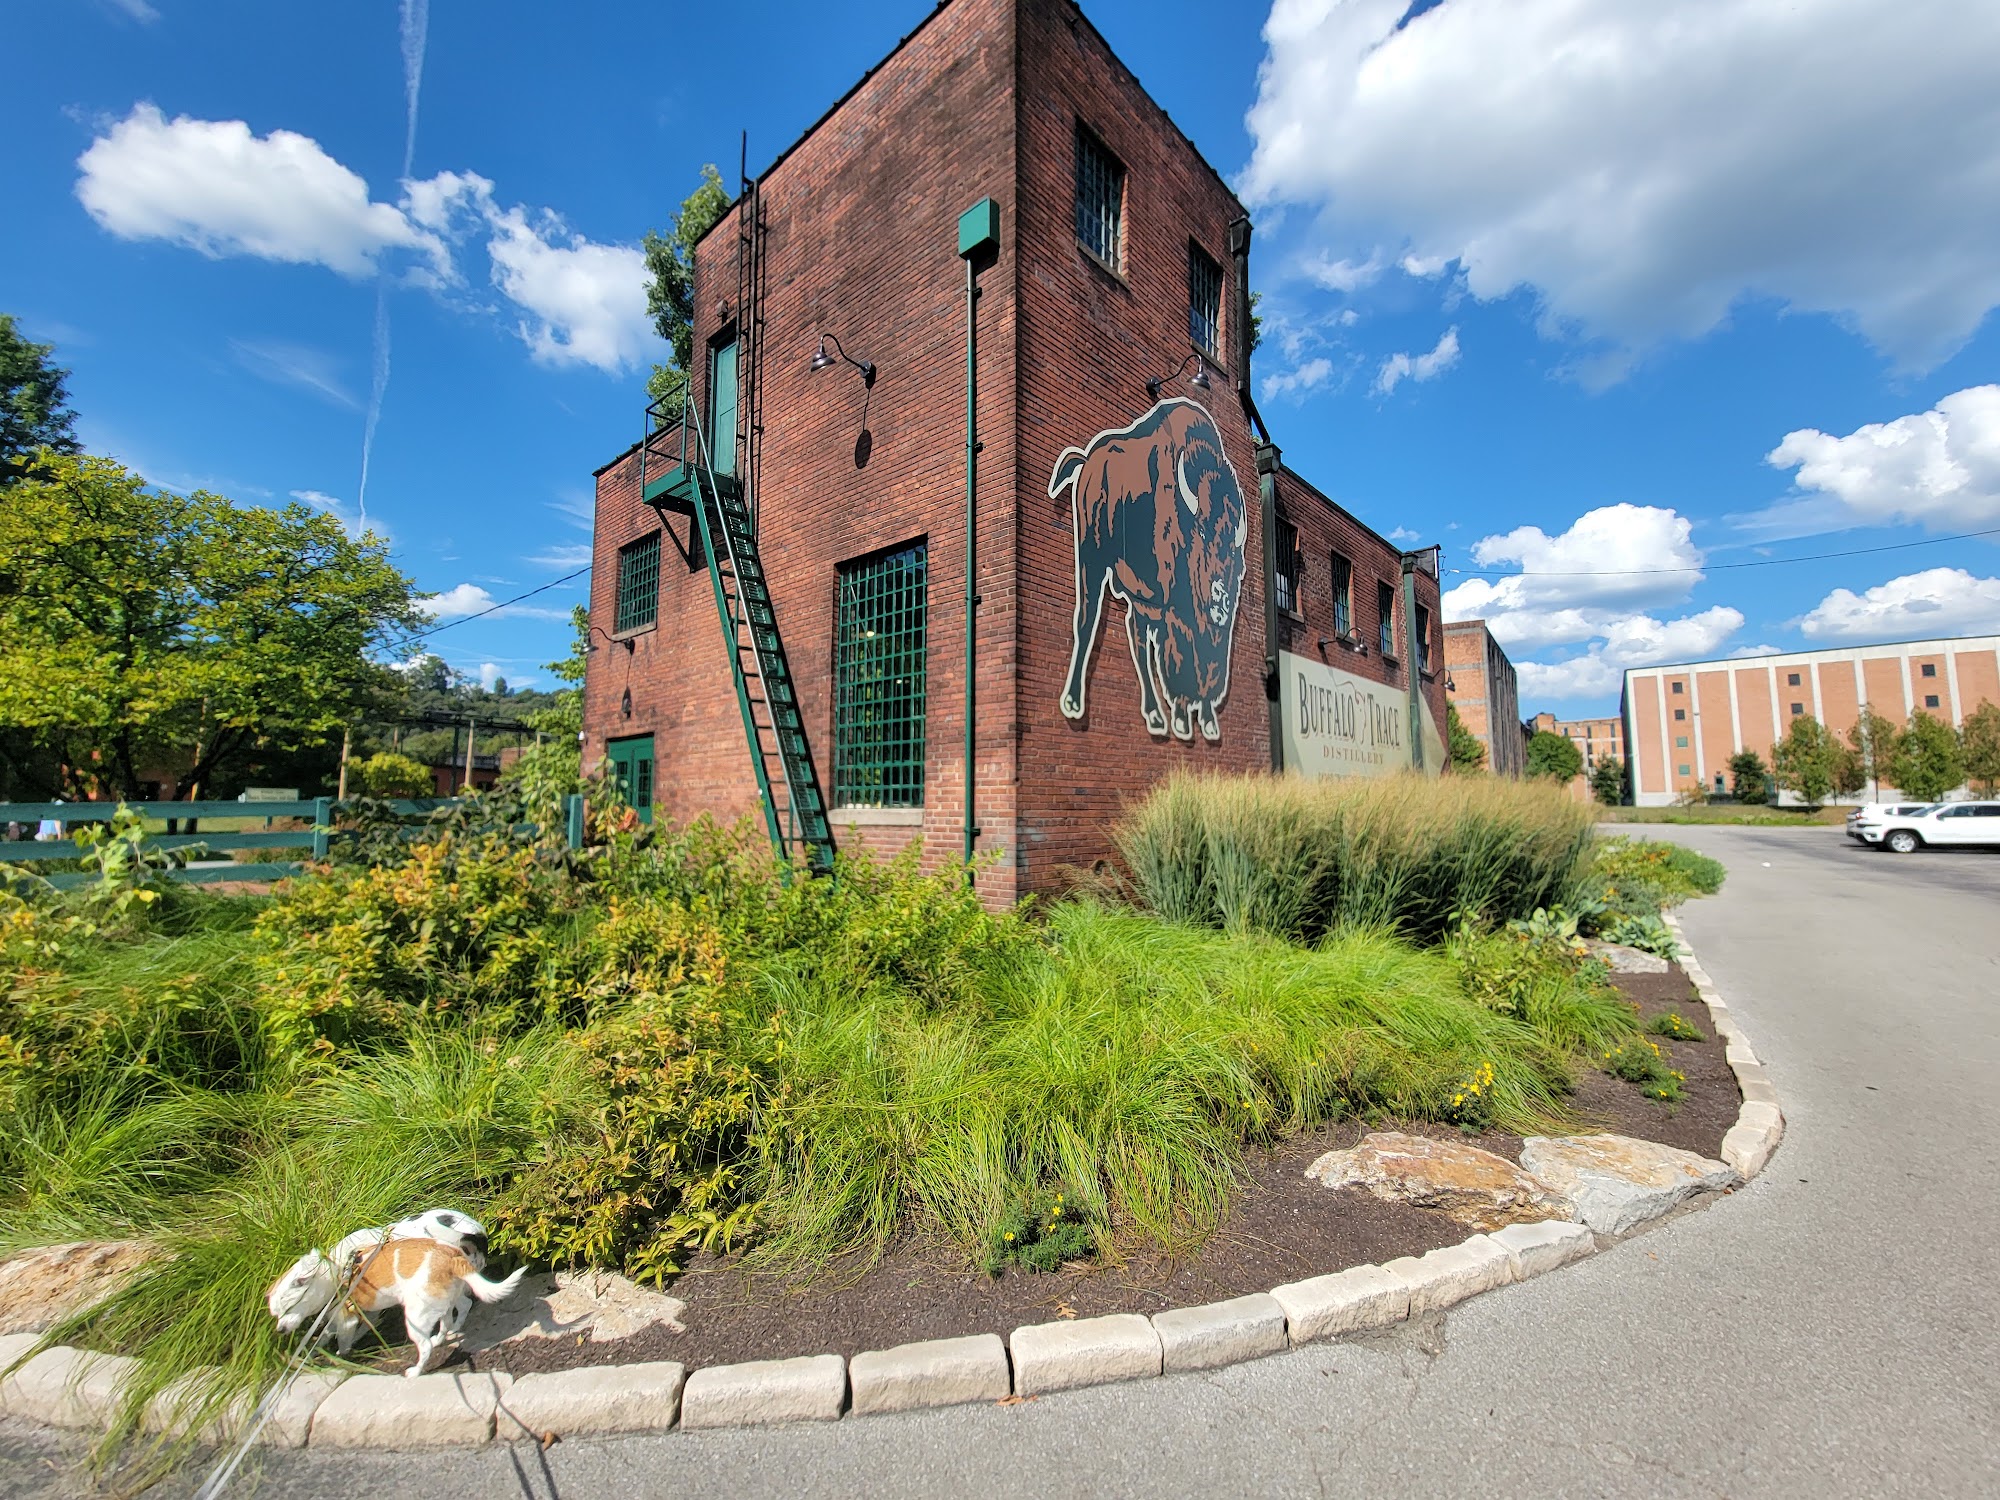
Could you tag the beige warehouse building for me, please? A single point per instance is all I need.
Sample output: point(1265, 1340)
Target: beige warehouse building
point(1682, 723)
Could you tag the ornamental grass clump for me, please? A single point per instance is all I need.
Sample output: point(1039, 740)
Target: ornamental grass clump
point(1297, 858)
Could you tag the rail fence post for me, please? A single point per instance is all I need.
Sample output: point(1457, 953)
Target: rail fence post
point(573, 817)
point(322, 825)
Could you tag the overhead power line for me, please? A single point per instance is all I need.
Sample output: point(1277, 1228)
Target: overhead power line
point(1761, 562)
point(411, 640)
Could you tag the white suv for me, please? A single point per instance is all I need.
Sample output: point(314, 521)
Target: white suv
point(1943, 824)
point(1876, 813)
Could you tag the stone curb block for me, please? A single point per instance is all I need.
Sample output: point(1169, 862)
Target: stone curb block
point(66, 1387)
point(937, 1372)
point(1738, 1053)
point(811, 1388)
point(1088, 1351)
point(599, 1398)
point(1358, 1298)
point(1750, 1141)
point(1446, 1277)
point(1535, 1249)
point(1220, 1333)
point(394, 1411)
point(289, 1426)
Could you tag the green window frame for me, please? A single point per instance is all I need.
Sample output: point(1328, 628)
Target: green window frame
point(879, 679)
point(1385, 618)
point(1343, 595)
point(638, 585)
point(1100, 200)
point(1204, 301)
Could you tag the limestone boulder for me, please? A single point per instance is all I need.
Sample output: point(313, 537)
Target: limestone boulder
point(1616, 1182)
point(44, 1285)
point(1477, 1188)
point(1621, 959)
point(600, 1305)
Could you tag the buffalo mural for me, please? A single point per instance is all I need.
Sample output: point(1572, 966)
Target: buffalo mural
point(1160, 522)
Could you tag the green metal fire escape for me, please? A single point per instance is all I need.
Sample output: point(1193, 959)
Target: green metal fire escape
point(679, 473)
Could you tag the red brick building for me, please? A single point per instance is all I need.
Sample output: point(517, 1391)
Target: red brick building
point(1484, 688)
point(1153, 588)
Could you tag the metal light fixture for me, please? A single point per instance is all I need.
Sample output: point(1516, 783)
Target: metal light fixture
point(628, 643)
point(1199, 380)
point(822, 360)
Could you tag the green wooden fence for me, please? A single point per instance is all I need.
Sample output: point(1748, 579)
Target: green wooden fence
point(317, 836)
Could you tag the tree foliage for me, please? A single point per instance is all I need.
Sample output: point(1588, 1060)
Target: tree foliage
point(1928, 760)
point(143, 629)
point(34, 403)
point(670, 292)
point(1554, 756)
point(1872, 739)
point(1467, 752)
point(1749, 777)
point(1806, 762)
point(1979, 743)
point(1607, 781)
point(387, 774)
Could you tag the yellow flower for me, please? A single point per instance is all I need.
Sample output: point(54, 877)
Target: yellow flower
point(1010, 1234)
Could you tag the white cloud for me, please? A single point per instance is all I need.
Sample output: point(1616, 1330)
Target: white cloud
point(1939, 468)
point(214, 187)
point(1935, 602)
point(586, 301)
point(465, 599)
point(1308, 376)
point(1343, 275)
point(1404, 536)
point(137, 10)
point(489, 673)
point(1622, 557)
point(564, 555)
point(1637, 641)
point(296, 365)
point(1646, 166)
point(1399, 367)
point(341, 511)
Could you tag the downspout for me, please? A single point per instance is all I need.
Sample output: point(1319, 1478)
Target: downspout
point(1267, 483)
point(1413, 657)
point(978, 246)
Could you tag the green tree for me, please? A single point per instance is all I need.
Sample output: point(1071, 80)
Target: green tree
point(34, 403)
point(670, 292)
point(1554, 756)
point(143, 629)
point(1607, 781)
point(1467, 752)
point(1806, 761)
point(1979, 743)
point(1749, 777)
point(552, 768)
point(1929, 762)
point(1872, 738)
point(387, 774)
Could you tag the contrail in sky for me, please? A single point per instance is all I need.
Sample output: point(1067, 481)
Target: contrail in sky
point(414, 25)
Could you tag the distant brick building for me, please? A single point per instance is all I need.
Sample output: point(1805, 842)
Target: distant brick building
point(1686, 720)
point(1481, 684)
point(1154, 588)
point(1597, 739)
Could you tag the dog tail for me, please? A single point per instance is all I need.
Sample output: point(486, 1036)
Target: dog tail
point(494, 1291)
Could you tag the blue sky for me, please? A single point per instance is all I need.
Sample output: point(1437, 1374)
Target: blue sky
point(1582, 291)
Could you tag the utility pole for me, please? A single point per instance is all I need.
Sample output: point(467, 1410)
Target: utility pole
point(471, 734)
point(346, 741)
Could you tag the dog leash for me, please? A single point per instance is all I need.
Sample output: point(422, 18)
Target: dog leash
point(225, 1470)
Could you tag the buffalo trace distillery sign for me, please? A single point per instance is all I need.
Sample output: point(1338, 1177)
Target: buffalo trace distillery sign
point(1338, 724)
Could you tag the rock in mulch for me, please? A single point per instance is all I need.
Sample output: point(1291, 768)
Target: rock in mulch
point(1477, 1188)
point(1616, 1182)
point(43, 1286)
point(1623, 960)
point(600, 1305)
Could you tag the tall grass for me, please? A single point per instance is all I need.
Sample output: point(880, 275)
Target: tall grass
point(1127, 1061)
point(1297, 858)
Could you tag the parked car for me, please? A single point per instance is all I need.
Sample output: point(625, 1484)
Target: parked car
point(1940, 825)
point(1879, 812)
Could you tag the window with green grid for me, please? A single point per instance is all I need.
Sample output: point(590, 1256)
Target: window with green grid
point(638, 584)
point(878, 681)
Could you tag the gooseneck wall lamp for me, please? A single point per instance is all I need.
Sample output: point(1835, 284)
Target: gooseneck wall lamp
point(822, 360)
point(609, 639)
point(1199, 380)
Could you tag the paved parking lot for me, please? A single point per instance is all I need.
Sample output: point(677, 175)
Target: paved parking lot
point(1828, 1331)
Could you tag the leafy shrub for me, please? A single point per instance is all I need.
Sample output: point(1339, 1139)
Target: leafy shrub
point(1629, 881)
point(1676, 1027)
point(389, 774)
point(1547, 983)
point(1642, 1062)
point(1296, 858)
point(1644, 931)
point(1039, 1232)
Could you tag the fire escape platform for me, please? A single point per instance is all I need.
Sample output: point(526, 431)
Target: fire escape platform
point(680, 487)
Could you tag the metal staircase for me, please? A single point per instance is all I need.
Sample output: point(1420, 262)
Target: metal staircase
point(677, 474)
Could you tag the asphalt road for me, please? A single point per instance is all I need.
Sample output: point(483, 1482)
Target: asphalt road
point(1831, 1330)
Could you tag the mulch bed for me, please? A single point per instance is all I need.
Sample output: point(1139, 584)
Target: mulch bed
point(1281, 1227)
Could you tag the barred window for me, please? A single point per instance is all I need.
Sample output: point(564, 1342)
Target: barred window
point(1343, 595)
point(1385, 610)
point(1100, 200)
point(878, 684)
point(1204, 301)
point(1288, 566)
point(638, 584)
point(1423, 639)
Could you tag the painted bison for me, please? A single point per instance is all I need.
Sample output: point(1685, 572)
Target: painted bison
point(1160, 522)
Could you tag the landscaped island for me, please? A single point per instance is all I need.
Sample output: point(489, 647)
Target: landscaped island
point(664, 1053)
